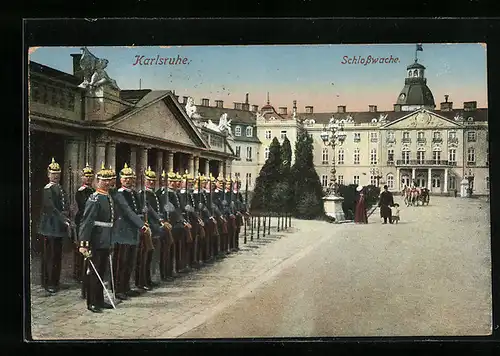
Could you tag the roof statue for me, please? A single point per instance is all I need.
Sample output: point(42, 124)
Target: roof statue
point(349, 119)
point(191, 112)
point(382, 118)
point(94, 75)
point(224, 124)
point(210, 125)
point(459, 117)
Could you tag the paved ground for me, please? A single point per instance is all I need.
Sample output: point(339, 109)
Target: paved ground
point(429, 275)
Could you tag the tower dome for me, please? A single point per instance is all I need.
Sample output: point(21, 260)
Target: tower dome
point(415, 94)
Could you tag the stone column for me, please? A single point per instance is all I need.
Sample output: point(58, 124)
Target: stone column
point(429, 179)
point(159, 167)
point(207, 167)
point(445, 188)
point(133, 158)
point(196, 168)
point(170, 161)
point(111, 155)
point(142, 166)
point(398, 179)
point(90, 151)
point(191, 164)
point(412, 174)
point(100, 155)
point(224, 168)
point(70, 171)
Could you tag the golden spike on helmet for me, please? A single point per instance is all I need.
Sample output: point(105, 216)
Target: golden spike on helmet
point(88, 171)
point(150, 174)
point(126, 172)
point(54, 167)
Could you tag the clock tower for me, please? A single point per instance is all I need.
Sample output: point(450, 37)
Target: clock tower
point(415, 94)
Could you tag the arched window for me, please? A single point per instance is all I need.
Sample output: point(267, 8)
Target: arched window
point(452, 155)
point(390, 181)
point(249, 131)
point(341, 156)
point(356, 156)
point(237, 131)
point(420, 155)
point(405, 155)
point(471, 155)
point(436, 155)
point(415, 73)
point(410, 73)
point(405, 181)
point(373, 156)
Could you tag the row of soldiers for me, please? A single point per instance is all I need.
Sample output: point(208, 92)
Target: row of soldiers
point(191, 220)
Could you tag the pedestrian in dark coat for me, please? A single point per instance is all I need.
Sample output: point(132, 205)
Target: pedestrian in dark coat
point(360, 215)
point(385, 203)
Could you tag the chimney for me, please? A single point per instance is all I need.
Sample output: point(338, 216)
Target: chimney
point(255, 108)
point(177, 97)
point(77, 70)
point(295, 105)
point(283, 110)
point(246, 98)
point(237, 106)
point(446, 105)
point(309, 109)
point(219, 104)
point(341, 109)
point(397, 107)
point(372, 108)
point(205, 102)
point(184, 99)
point(470, 105)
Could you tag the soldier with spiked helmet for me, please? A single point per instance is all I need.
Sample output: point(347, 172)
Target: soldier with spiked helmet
point(209, 212)
point(221, 204)
point(54, 226)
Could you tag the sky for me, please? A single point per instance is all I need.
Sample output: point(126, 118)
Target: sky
point(314, 75)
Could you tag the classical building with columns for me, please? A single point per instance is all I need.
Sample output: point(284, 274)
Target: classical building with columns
point(139, 127)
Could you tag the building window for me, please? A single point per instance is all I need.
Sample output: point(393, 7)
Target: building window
point(341, 156)
point(436, 182)
point(420, 135)
point(391, 136)
point(452, 135)
point(266, 153)
point(453, 182)
point(452, 155)
point(357, 137)
point(237, 131)
point(436, 156)
point(420, 157)
point(390, 181)
point(373, 180)
point(356, 180)
point(249, 153)
point(283, 135)
point(437, 135)
point(390, 155)
point(324, 156)
point(471, 136)
point(487, 183)
point(356, 156)
point(238, 151)
point(406, 135)
point(268, 134)
point(340, 180)
point(471, 155)
point(373, 137)
point(373, 156)
point(249, 131)
point(324, 180)
point(405, 155)
point(249, 178)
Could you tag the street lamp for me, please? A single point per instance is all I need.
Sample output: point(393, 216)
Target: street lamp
point(332, 135)
point(375, 172)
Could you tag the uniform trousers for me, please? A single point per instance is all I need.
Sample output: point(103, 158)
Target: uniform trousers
point(95, 290)
point(51, 261)
point(231, 244)
point(207, 243)
point(167, 255)
point(78, 262)
point(122, 267)
point(143, 268)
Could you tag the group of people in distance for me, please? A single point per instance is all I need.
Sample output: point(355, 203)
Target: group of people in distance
point(191, 220)
point(389, 211)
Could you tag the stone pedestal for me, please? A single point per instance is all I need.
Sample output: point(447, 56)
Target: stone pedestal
point(333, 208)
point(464, 184)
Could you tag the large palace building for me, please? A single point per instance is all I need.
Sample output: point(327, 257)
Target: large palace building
point(416, 142)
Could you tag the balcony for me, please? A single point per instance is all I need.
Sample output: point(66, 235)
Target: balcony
point(471, 164)
point(453, 140)
point(421, 140)
point(373, 139)
point(406, 140)
point(429, 162)
point(437, 140)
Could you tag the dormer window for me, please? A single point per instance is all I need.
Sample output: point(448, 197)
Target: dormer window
point(237, 131)
point(249, 131)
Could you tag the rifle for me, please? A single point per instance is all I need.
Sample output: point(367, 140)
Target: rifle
point(148, 239)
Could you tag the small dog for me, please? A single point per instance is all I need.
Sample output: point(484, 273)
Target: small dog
point(395, 213)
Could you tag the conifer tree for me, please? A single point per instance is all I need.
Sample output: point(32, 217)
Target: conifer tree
point(308, 192)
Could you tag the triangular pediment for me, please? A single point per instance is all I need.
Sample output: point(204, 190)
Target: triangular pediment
point(162, 119)
point(422, 119)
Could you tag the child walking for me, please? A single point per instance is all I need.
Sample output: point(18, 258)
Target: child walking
point(395, 213)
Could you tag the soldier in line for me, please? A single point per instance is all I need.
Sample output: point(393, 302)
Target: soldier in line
point(187, 210)
point(54, 226)
point(230, 214)
point(241, 210)
point(125, 233)
point(180, 226)
point(211, 232)
point(151, 207)
point(81, 196)
point(198, 224)
point(218, 201)
point(167, 198)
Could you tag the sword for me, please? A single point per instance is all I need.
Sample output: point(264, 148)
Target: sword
point(102, 283)
point(112, 277)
